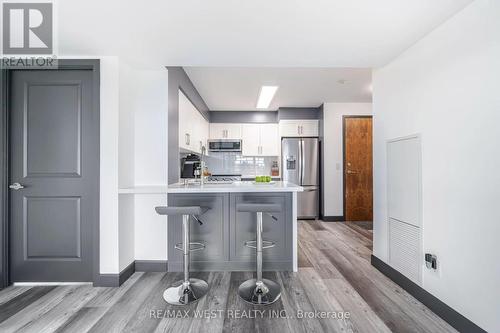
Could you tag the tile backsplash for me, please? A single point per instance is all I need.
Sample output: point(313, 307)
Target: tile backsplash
point(235, 163)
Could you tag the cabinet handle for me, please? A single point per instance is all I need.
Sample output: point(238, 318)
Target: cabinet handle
point(301, 129)
point(188, 139)
point(298, 129)
point(224, 134)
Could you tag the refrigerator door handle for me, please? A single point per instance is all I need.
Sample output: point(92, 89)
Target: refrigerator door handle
point(302, 163)
point(299, 163)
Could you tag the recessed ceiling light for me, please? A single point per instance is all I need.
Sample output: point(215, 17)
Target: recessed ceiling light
point(266, 96)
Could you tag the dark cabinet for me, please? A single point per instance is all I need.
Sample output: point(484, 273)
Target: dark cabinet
point(224, 232)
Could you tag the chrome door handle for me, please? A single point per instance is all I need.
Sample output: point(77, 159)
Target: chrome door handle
point(16, 186)
point(302, 162)
point(350, 172)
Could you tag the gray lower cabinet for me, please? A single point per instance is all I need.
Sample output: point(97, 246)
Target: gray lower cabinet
point(213, 232)
point(224, 231)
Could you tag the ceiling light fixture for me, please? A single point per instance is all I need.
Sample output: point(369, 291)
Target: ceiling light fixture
point(266, 95)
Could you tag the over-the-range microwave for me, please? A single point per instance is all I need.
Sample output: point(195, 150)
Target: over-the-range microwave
point(221, 145)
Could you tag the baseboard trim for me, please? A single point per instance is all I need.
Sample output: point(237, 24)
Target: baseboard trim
point(151, 266)
point(115, 280)
point(333, 218)
point(233, 266)
point(440, 308)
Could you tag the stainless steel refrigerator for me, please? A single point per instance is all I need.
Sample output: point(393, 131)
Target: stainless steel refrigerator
point(300, 165)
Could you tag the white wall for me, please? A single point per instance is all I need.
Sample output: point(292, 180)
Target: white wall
point(151, 167)
point(108, 197)
point(333, 149)
point(446, 87)
point(126, 165)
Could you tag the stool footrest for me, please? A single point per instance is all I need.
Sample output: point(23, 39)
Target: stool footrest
point(193, 246)
point(265, 244)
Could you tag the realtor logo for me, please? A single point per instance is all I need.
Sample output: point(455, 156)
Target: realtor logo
point(27, 28)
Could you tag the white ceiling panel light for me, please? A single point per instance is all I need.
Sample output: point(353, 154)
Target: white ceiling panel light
point(266, 96)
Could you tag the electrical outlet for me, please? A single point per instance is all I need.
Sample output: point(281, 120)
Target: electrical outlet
point(431, 261)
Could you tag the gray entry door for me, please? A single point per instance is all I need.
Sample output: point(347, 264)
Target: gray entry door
point(54, 154)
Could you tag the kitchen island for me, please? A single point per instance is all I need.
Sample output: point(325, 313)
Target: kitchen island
point(224, 230)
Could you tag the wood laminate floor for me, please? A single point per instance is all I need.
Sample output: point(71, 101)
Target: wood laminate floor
point(335, 279)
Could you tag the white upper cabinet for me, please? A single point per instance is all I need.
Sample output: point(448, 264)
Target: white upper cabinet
point(299, 128)
point(260, 140)
point(225, 131)
point(250, 136)
point(193, 127)
point(270, 142)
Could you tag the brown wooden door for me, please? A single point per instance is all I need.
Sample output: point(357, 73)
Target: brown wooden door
point(358, 178)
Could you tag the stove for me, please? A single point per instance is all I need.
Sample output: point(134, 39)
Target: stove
point(222, 179)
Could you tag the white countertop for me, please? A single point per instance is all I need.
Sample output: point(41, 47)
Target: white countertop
point(144, 189)
point(243, 186)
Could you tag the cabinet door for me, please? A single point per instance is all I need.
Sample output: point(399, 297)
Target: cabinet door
point(289, 128)
point(269, 140)
point(217, 131)
point(198, 124)
point(250, 135)
point(205, 133)
point(225, 131)
point(243, 226)
point(185, 122)
point(309, 128)
point(233, 131)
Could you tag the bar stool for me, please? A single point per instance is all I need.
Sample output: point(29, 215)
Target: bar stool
point(188, 290)
point(259, 291)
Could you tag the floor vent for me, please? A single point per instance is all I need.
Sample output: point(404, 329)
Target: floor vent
point(404, 249)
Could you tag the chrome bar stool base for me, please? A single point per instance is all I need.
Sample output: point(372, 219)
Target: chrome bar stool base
point(182, 293)
point(264, 293)
point(259, 291)
point(188, 290)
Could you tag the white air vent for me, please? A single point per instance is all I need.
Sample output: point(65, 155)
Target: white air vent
point(404, 249)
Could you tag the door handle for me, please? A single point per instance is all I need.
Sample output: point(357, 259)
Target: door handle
point(16, 186)
point(350, 172)
point(302, 162)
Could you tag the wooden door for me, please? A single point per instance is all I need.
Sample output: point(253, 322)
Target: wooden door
point(358, 178)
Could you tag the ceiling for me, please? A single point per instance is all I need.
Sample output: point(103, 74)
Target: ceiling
point(237, 89)
point(238, 33)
